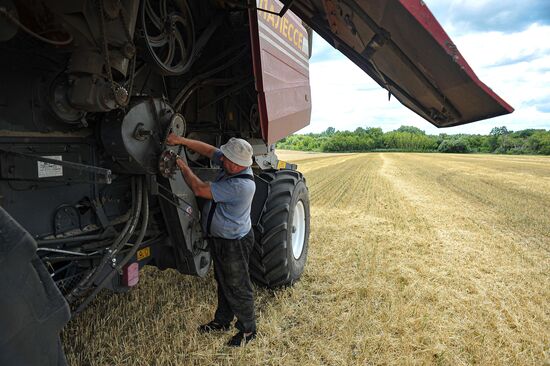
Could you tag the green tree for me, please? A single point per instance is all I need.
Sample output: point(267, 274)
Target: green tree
point(408, 138)
point(539, 142)
point(329, 131)
point(411, 129)
point(377, 135)
point(459, 145)
point(360, 131)
point(495, 137)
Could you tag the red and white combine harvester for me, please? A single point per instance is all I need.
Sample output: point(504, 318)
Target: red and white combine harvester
point(91, 88)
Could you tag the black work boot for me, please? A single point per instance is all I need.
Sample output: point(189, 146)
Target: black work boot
point(240, 339)
point(213, 326)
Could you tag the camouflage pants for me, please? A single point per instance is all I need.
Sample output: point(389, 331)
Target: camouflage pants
point(235, 292)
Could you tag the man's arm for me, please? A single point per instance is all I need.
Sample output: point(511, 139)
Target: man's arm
point(201, 147)
point(199, 188)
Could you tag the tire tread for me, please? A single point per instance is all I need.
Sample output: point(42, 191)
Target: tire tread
point(268, 262)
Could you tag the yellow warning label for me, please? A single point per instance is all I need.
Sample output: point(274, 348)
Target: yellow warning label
point(143, 253)
point(281, 164)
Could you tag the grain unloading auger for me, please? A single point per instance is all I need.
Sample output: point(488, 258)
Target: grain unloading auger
point(90, 90)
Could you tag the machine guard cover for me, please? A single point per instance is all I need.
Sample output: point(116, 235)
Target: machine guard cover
point(405, 50)
point(280, 56)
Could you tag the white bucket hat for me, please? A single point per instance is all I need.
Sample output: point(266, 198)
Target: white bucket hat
point(238, 151)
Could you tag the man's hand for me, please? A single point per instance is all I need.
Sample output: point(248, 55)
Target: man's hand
point(201, 147)
point(174, 139)
point(181, 163)
point(199, 188)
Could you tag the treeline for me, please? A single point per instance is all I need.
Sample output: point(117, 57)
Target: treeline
point(409, 138)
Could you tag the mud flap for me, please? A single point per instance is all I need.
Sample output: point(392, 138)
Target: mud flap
point(32, 310)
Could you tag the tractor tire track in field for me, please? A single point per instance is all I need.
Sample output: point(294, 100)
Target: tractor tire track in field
point(496, 248)
point(516, 200)
point(375, 241)
point(455, 240)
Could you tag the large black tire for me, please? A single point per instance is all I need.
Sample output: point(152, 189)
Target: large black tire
point(275, 261)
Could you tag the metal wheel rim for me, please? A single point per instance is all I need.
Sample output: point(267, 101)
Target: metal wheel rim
point(298, 229)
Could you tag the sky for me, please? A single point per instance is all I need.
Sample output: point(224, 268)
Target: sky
point(506, 42)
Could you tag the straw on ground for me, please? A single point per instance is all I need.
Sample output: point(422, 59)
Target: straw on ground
point(414, 259)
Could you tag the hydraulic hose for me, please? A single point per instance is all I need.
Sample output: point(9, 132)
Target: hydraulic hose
point(206, 82)
point(178, 100)
point(126, 232)
point(133, 211)
point(116, 269)
point(118, 244)
point(14, 20)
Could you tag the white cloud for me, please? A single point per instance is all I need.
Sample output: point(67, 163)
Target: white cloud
point(521, 75)
point(486, 15)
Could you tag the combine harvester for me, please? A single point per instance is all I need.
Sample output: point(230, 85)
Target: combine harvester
point(91, 88)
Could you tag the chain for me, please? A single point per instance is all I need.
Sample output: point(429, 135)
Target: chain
point(105, 48)
point(126, 27)
point(115, 88)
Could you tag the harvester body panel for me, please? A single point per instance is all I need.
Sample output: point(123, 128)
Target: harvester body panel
point(280, 47)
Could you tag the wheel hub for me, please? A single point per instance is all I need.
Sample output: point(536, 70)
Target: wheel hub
point(298, 229)
point(170, 26)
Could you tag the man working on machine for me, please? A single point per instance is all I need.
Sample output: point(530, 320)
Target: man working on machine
point(226, 221)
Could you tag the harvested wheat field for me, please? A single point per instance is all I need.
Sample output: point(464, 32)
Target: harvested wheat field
point(413, 259)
